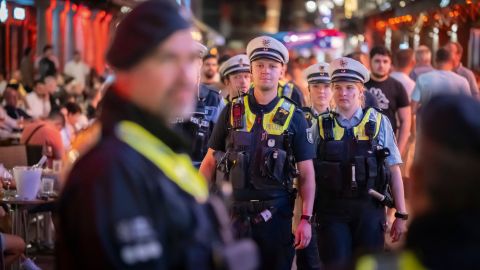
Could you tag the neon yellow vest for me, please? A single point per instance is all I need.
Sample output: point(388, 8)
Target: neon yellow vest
point(268, 125)
point(177, 167)
point(358, 130)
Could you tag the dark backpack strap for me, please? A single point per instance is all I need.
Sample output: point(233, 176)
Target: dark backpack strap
point(33, 133)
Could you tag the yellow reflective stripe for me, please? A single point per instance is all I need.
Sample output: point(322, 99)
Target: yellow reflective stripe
point(249, 115)
point(177, 167)
point(408, 261)
point(379, 121)
point(275, 129)
point(359, 130)
point(366, 263)
point(338, 131)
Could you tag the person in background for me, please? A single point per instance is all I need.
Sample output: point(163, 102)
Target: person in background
point(39, 100)
point(57, 95)
point(46, 133)
point(47, 63)
point(73, 113)
point(27, 69)
point(3, 82)
point(445, 203)
point(7, 124)
point(209, 71)
point(391, 97)
point(77, 69)
point(320, 93)
point(440, 81)
point(10, 96)
point(404, 62)
point(423, 62)
point(456, 50)
point(235, 74)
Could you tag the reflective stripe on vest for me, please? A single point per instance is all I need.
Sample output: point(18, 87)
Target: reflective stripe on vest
point(177, 167)
point(281, 89)
point(358, 130)
point(268, 125)
point(404, 261)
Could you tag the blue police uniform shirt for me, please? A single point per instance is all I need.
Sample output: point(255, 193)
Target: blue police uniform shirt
point(386, 137)
point(302, 148)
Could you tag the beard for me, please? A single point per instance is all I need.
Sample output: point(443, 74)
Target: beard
point(179, 103)
point(209, 74)
point(378, 75)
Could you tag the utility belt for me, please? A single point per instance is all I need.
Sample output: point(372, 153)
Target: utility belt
point(256, 211)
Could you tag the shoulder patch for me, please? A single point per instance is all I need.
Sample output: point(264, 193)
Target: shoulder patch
point(309, 135)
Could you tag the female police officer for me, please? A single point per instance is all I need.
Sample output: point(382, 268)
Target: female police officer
point(356, 152)
point(320, 92)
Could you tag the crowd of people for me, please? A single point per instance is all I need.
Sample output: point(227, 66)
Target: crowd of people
point(246, 161)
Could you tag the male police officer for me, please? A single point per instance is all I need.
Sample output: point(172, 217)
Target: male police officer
point(235, 73)
point(133, 202)
point(199, 125)
point(264, 137)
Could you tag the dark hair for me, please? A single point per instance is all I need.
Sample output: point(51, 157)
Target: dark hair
point(381, 50)
point(73, 108)
point(13, 86)
point(57, 115)
point(208, 56)
point(403, 58)
point(223, 59)
point(442, 56)
point(38, 81)
point(47, 47)
point(27, 51)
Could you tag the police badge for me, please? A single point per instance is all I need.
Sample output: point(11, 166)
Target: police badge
point(309, 135)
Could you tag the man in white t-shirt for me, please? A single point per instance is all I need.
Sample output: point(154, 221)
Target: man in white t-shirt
point(77, 69)
point(404, 62)
point(39, 100)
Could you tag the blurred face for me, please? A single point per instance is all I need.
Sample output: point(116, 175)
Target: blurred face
point(40, 89)
point(347, 96)
point(11, 97)
point(456, 57)
point(381, 65)
point(210, 68)
point(266, 74)
point(320, 95)
point(51, 85)
point(17, 75)
point(238, 82)
point(49, 52)
point(77, 57)
point(165, 82)
point(72, 118)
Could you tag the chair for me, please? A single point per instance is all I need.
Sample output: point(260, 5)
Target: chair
point(20, 155)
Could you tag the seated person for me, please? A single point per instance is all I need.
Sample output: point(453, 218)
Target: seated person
point(7, 125)
point(10, 95)
point(46, 133)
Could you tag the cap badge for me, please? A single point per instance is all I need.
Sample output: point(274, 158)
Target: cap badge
point(343, 63)
point(266, 44)
point(240, 62)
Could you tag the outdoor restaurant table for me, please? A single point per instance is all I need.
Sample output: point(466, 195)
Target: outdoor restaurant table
point(19, 213)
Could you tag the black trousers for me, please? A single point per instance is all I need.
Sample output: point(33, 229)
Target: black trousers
point(274, 238)
point(309, 258)
point(352, 227)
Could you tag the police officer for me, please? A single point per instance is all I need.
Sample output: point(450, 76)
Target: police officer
point(134, 202)
point(320, 92)
point(263, 138)
point(199, 125)
point(235, 74)
point(320, 96)
point(291, 91)
point(356, 156)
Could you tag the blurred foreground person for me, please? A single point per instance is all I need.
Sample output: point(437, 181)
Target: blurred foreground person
point(445, 203)
point(134, 202)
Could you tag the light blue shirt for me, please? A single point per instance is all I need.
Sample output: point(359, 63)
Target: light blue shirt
point(439, 82)
point(386, 137)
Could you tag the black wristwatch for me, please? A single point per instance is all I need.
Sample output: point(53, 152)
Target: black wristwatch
point(308, 218)
point(403, 216)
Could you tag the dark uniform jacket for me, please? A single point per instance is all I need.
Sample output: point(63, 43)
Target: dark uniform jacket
point(119, 211)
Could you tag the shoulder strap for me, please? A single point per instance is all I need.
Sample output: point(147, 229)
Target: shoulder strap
point(33, 133)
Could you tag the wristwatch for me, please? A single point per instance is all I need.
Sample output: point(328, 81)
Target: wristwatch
point(308, 218)
point(403, 216)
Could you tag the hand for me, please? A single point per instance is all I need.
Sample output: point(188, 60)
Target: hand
point(303, 234)
point(399, 227)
